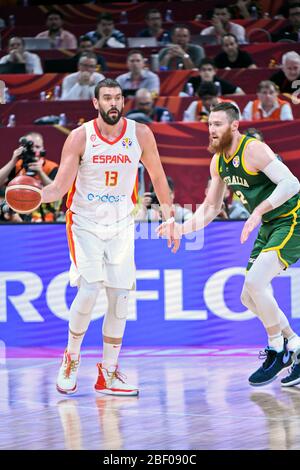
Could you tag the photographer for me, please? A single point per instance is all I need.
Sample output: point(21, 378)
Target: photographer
point(29, 158)
point(149, 210)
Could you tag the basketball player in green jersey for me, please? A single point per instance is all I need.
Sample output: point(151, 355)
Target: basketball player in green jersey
point(269, 191)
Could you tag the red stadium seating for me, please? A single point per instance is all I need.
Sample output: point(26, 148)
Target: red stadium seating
point(29, 86)
point(131, 29)
point(27, 111)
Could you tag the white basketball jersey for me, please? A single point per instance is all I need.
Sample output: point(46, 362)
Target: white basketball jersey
point(105, 188)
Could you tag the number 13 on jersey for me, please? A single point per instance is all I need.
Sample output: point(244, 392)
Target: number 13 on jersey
point(111, 178)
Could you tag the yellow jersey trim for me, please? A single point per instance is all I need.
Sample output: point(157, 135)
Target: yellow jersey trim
point(284, 242)
point(287, 214)
point(282, 260)
point(217, 162)
point(291, 212)
point(278, 254)
point(238, 148)
point(243, 160)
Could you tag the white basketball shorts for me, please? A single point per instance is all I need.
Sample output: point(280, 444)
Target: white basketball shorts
point(100, 252)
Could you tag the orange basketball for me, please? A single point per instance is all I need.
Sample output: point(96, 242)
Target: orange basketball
point(23, 194)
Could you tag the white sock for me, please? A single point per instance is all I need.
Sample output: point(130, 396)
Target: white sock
point(110, 356)
point(276, 342)
point(293, 342)
point(74, 356)
point(74, 342)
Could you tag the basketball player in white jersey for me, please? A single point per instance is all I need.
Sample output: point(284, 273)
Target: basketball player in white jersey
point(99, 163)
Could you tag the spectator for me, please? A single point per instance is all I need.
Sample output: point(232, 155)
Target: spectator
point(200, 109)
point(244, 9)
point(291, 32)
point(232, 56)
point(149, 210)
point(289, 72)
point(39, 167)
point(59, 37)
point(106, 35)
point(80, 85)
point(18, 55)
point(267, 106)
point(144, 103)
point(256, 133)
point(138, 76)
point(85, 44)
point(207, 73)
point(221, 25)
point(283, 11)
point(153, 20)
point(180, 53)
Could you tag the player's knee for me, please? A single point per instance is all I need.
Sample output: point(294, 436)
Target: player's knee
point(251, 285)
point(245, 297)
point(118, 302)
point(86, 296)
point(115, 318)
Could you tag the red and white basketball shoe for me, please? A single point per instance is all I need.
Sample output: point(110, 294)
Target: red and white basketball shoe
point(113, 383)
point(67, 376)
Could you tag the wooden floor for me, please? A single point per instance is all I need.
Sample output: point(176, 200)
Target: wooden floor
point(196, 402)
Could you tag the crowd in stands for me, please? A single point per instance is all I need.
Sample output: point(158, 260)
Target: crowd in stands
point(175, 48)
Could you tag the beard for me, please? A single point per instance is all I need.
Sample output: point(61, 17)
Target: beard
point(54, 29)
point(110, 119)
point(223, 144)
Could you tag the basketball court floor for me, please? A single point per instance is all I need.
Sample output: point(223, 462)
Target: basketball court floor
point(189, 399)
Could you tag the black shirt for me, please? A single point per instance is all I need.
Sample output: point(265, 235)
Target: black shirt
point(227, 88)
point(156, 114)
point(242, 61)
point(285, 33)
point(284, 84)
point(100, 61)
point(145, 33)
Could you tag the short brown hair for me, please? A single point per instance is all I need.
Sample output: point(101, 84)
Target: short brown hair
point(229, 108)
point(267, 84)
point(135, 51)
point(106, 82)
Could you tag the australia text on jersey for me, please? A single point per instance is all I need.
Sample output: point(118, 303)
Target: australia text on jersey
point(233, 180)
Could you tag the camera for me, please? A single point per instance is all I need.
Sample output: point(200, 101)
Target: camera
point(154, 200)
point(28, 155)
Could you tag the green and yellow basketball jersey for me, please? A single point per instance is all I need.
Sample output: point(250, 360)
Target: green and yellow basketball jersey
point(252, 188)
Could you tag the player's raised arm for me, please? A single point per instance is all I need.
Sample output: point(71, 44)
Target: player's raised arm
point(72, 150)
point(259, 157)
point(151, 160)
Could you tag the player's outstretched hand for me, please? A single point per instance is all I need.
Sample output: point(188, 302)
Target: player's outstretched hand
point(172, 232)
point(253, 221)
